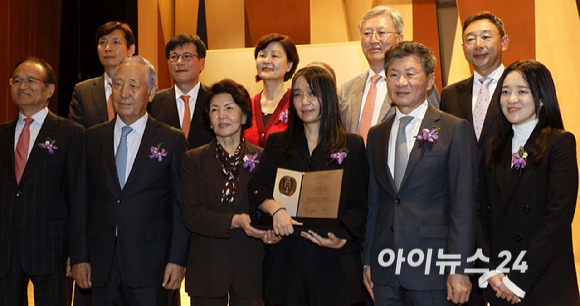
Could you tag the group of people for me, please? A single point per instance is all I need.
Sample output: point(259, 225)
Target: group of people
point(463, 199)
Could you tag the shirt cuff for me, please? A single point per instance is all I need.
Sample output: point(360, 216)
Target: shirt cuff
point(486, 276)
point(513, 287)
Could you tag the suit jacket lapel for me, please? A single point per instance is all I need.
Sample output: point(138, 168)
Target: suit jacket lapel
point(464, 99)
point(355, 101)
point(170, 109)
point(387, 109)
point(100, 99)
point(380, 156)
point(211, 166)
point(491, 115)
point(46, 131)
point(150, 138)
point(432, 116)
point(244, 176)
point(509, 179)
point(107, 139)
point(8, 149)
point(197, 119)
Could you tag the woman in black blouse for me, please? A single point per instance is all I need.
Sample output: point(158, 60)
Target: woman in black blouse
point(309, 269)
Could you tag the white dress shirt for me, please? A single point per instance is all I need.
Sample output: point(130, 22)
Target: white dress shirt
point(411, 130)
point(181, 104)
point(34, 128)
point(133, 139)
point(380, 97)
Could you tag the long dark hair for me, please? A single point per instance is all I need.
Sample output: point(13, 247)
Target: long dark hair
point(542, 87)
point(331, 134)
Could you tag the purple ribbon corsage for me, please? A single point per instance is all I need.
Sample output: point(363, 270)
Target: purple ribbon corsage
point(339, 156)
point(283, 116)
point(48, 144)
point(519, 159)
point(157, 152)
point(251, 161)
point(428, 135)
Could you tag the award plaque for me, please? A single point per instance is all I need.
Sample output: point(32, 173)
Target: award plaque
point(312, 198)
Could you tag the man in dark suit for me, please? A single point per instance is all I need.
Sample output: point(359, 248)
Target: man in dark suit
point(181, 106)
point(90, 99)
point(484, 40)
point(380, 28)
point(128, 240)
point(421, 191)
point(39, 151)
point(90, 104)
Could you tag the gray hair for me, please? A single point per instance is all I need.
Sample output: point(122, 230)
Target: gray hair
point(380, 10)
point(138, 59)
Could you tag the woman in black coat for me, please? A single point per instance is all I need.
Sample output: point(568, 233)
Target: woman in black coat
point(527, 198)
point(306, 268)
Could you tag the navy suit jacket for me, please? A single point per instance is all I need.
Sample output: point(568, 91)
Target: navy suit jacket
point(34, 214)
point(147, 212)
point(456, 99)
point(88, 106)
point(164, 109)
point(434, 208)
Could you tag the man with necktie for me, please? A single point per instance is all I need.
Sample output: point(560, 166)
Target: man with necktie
point(37, 162)
point(128, 241)
point(181, 105)
point(475, 99)
point(91, 103)
point(421, 191)
point(363, 99)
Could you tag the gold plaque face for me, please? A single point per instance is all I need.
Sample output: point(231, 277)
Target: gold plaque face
point(287, 186)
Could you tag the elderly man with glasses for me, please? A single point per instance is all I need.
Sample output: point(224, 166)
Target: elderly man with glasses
point(38, 153)
point(364, 100)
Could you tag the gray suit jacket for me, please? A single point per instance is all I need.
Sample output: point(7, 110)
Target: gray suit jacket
point(434, 209)
point(88, 106)
point(350, 96)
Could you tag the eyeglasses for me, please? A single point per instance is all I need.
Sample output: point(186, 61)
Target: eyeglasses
point(174, 57)
point(380, 34)
point(30, 81)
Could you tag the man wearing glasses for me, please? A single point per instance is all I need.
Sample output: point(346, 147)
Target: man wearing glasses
point(38, 152)
point(181, 106)
point(363, 99)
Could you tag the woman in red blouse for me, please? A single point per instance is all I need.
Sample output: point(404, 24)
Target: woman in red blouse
point(276, 61)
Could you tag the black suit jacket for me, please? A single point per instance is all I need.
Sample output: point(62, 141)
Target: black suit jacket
point(235, 259)
point(532, 210)
point(88, 106)
point(147, 211)
point(456, 99)
point(434, 207)
point(34, 214)
point(164, 109)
